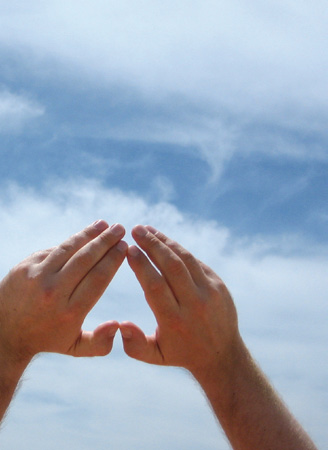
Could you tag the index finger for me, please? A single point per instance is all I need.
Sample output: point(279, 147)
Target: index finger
point(169, 263)
point(89, 255)
point(158, 294)
point(194, 266)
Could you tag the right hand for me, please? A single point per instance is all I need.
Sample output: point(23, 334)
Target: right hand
point(197, 320)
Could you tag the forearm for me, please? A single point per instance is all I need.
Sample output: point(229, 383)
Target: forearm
point(249, 410)
point(198, 330)
point(10, 374)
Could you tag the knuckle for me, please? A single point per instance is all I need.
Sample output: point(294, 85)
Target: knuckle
point(88, 233)
point(86, 261)
point(188, 257)
point(218, 288)
point(49, 293)
point(106, 238)
point(26, 271)
point(153, 242)
point(40, 255)
point(100, 276)
point(84, 236)
point(104, 349)
point(156, 287)
point(21, 270)
point(175, 266)
point(66, 247)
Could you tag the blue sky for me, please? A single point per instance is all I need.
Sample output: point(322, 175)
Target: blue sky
point(207, 120)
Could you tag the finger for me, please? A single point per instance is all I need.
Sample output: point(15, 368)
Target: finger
point(61, 254)
point(95, 343)
point(88, 256)
point(208, 271)
point(139, 346)
point(93, 285)
point(193, 264)
point(169, 263)
point(157, 292)
point(40, 256)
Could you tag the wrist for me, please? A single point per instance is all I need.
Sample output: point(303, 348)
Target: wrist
point(222, 378)
point(11, 371)
point(12, 362)
point(222, 364)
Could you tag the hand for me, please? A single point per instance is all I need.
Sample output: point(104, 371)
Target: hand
point(197, 320)
point(45, 299)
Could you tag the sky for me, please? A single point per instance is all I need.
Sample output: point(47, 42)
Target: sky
point(207, 120)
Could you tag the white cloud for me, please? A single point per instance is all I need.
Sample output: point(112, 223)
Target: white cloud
point(253, 63)
point(163, 188)
point(16, 111)
point(68, 403)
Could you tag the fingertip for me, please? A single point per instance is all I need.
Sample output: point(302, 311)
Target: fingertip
point(117, 229)
point(106, 329)
point(100, 225)
point(134, 340)
point(122, 247)
point(112, 328)
point(151, 229)
point(139, 231)
point(139, 346)
point(126, 333)
point(133, 251)
point(126, 329)
point(104, 338)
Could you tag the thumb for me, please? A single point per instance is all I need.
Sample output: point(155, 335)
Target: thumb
point(139, 346)
point(95, 343)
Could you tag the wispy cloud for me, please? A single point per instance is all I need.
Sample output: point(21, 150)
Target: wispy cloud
point(16, 111)
point(242, 62)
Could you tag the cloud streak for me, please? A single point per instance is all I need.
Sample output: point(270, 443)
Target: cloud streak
point(148, 43)
point(16, 111)
point(232, 65)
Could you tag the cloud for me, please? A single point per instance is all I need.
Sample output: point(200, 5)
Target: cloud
point(120, 401)
point(208, 138)
point(194, 48)
point(16, 111)
point(207, 79)
point(234, 66)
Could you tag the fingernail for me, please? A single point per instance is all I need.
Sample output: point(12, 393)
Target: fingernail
point(100, 225)
point(117, 229)
point(112, 332)
point(140, 230)
point(122, 246)
point(126, 333)
point(152, 229)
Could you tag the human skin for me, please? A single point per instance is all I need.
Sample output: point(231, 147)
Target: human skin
point(45, 299)
point(197, 328)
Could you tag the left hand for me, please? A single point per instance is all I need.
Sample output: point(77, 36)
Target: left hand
point(45, 299)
